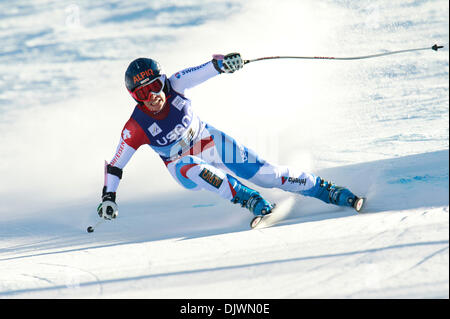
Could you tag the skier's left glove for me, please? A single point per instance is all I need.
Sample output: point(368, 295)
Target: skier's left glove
point(108, 208)
point(229, 63)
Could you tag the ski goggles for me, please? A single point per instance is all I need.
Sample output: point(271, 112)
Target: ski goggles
point(143, 92)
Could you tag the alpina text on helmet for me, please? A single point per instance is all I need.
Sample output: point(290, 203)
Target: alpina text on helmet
point(140, 76)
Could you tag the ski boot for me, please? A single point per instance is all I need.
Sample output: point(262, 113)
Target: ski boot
point(253, 201)
point(337, 195)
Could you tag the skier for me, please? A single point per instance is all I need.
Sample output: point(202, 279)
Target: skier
point(198, 155)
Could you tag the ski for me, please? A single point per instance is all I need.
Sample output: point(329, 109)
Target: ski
point(279, 212)
point(359, 203)
point(257, 220)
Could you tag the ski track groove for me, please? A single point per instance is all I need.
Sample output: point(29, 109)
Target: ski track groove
point(426, 258)
point(97, 279)
point(39, 278)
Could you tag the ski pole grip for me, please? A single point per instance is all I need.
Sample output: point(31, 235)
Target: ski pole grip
point(436, 47)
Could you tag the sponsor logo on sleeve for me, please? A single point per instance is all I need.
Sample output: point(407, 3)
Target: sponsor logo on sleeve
point(190, 70)
point(119, 153)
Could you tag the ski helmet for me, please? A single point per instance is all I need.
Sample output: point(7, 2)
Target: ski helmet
point(141, 71)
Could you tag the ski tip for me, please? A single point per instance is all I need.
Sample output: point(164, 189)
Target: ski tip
point(255, 221)
point(359, 203)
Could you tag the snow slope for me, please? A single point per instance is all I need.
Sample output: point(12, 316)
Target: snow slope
point(158, 249)
point(378, 126)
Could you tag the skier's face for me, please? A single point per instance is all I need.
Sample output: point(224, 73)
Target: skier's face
point(156, 102)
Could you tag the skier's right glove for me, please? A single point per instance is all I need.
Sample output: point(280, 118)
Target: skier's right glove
point(108, 208)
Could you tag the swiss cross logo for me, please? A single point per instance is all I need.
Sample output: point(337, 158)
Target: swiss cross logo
point(154, 129)
point(126, 134)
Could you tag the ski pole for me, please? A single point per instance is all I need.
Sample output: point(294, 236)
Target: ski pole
point(434, 47)
point(91, 229)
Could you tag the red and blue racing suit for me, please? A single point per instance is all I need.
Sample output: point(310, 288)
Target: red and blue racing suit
point(198, 155)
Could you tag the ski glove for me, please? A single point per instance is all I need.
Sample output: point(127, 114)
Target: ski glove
point(228, 63)
point(108, 208)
